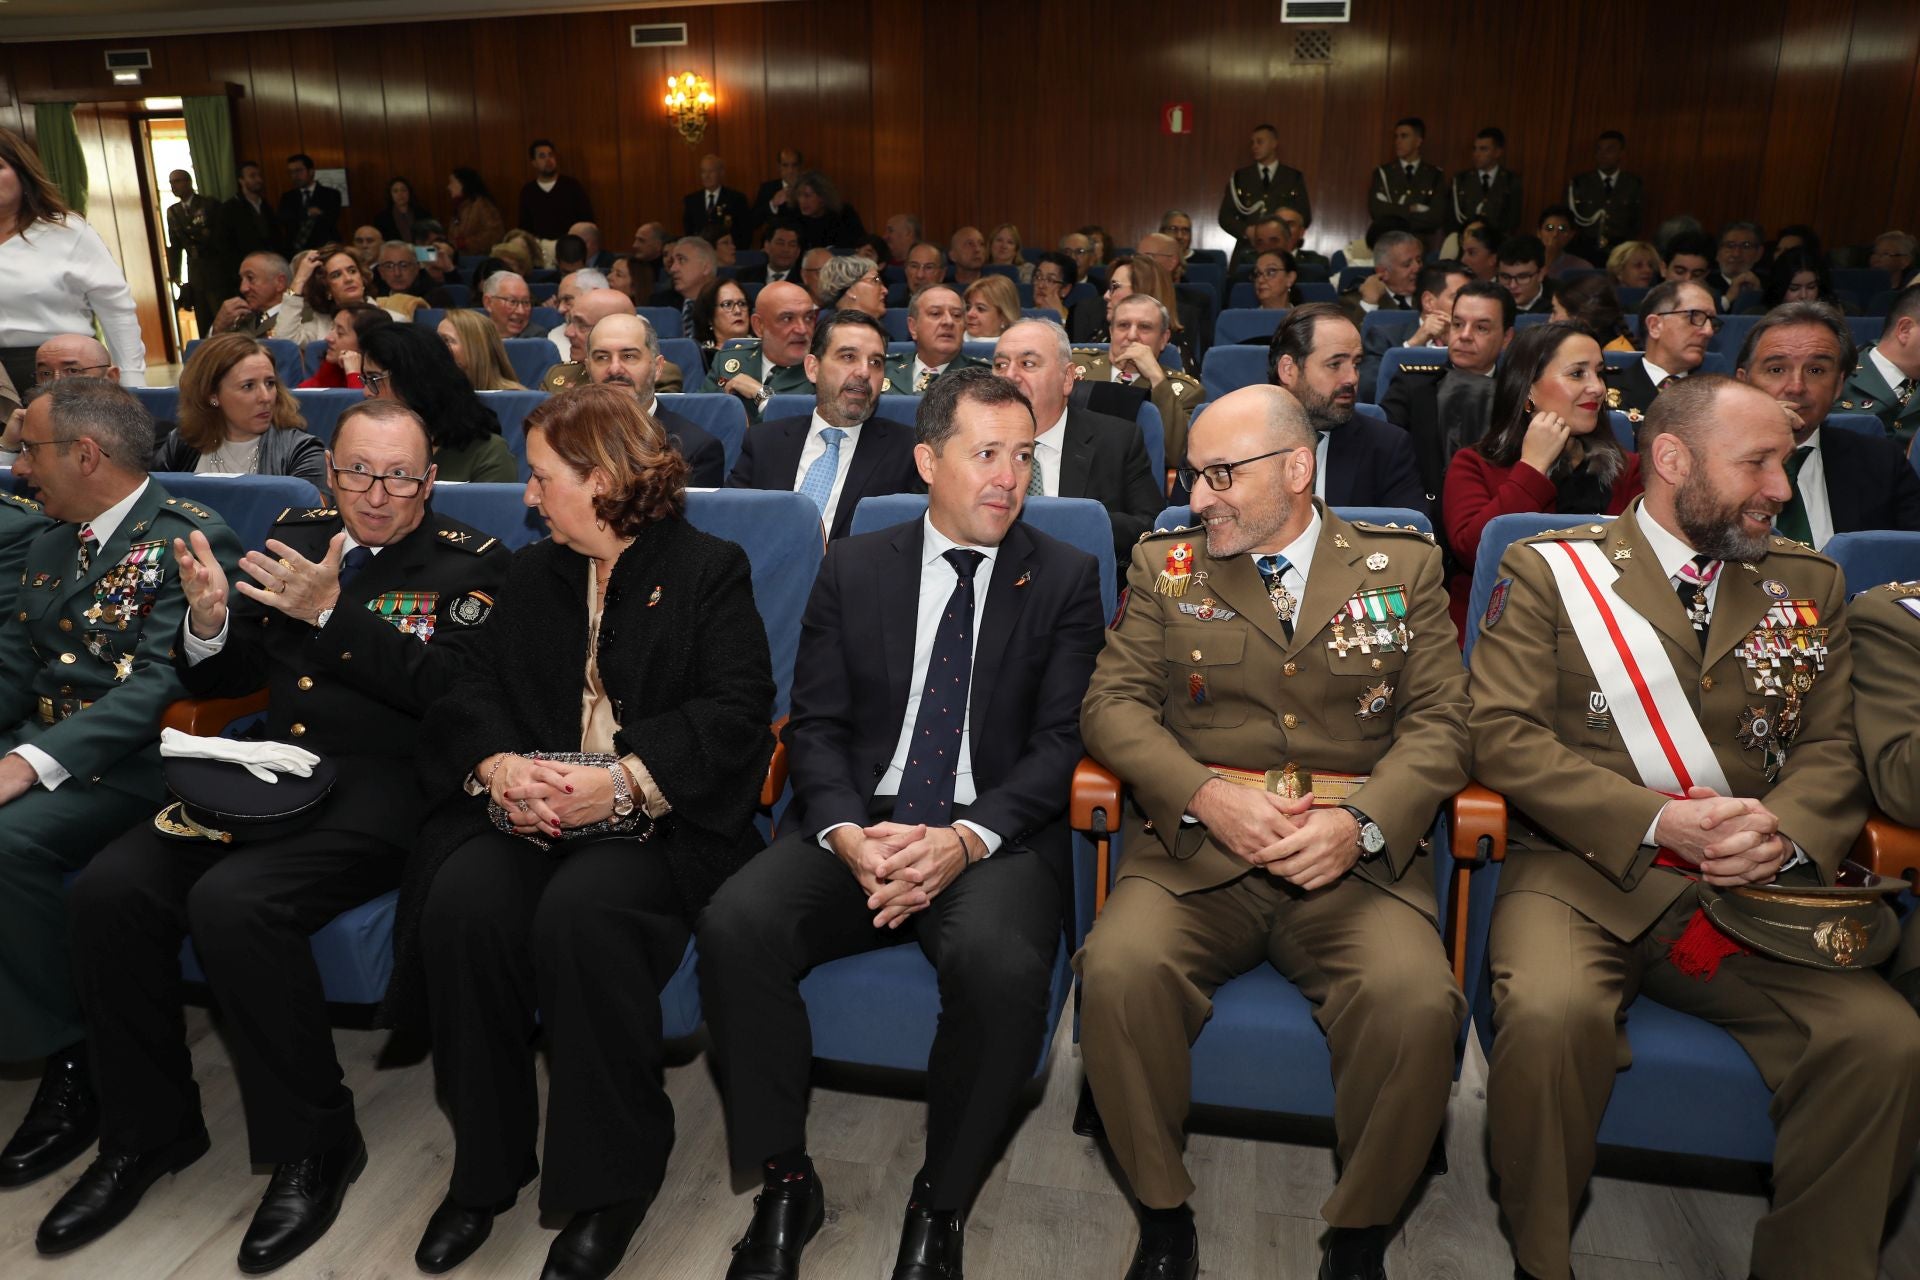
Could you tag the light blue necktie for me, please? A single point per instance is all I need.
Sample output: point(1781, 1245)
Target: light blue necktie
point(818, 482)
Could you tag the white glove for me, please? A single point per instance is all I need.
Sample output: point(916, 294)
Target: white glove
point(264, 760)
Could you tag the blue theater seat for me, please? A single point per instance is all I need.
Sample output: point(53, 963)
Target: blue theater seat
point(1875, 556)
point(1237, 324)
point(893, 408)
point(286, 359)
point(1228, 368)
point(685, 354)
point(723, 417)
point(322, 407)
point(249, 504)
point(665, 322)
point(161, 403)
point(531, 358)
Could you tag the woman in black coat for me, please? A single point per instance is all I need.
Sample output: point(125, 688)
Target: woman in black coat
point(632, 635)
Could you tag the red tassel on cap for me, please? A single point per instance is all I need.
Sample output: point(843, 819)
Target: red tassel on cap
point(1700, 948)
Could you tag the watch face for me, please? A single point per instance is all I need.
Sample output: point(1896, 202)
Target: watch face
point(1372, 839)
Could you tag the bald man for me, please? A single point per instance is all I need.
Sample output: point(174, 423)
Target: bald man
point(589, 309)
point(623, 351)
point(1283, 770)
point(772, 362)
point(67, 355)
point(968, 253)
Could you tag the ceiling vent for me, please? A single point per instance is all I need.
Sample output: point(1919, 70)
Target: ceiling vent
point(657, 35)
point(1316, 11)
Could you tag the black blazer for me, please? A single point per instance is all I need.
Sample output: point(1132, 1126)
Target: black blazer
point(1869, 483)
point(1371, 464)
point(362, 712)
point(706, 456)
point(729, 215)
point(301, 230)
point(1635, 387)
point(1040, 629)
point(239, 230)
point(882, 463)
point(1105, 458)
point(759, 271)
point(1414, 404)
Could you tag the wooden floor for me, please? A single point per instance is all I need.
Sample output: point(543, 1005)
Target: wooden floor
point(1050, 1210)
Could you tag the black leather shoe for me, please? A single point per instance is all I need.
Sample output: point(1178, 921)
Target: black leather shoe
point(1166, 1254)
point(454, 1231)
point(929, 1246)
point(109, 1190)
point(301, 1202)
point(1355, 1253)
point(591, 1246)
point(786, 1215)
point(61, 1124)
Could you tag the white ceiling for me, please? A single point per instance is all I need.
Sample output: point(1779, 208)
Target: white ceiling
point(22, 20)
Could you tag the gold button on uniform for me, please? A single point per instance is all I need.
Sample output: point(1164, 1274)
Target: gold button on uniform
point(346, 656)
point(68, 658)
point(1196, 655)
point(1290, 720)
point(23, 615)
point(299, 730)
point(1706, 683)
point(1377, 664)
point(304, 683)
point(66, 624)
point(1291, 669)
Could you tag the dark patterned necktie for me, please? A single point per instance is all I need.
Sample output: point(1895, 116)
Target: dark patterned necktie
point(1273, 571)
point(352, 563)
point(933, 757)
point(86, 547)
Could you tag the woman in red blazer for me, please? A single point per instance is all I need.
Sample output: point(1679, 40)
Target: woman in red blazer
point(1548, 447)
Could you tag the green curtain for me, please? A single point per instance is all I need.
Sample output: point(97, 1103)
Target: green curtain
point(210, 142)
point(59, 147)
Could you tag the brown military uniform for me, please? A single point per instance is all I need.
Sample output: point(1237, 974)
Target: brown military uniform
point(1886, 701)
point(1585, 919)
point(565, 377)
point(1175, 397)
point(1211, 677)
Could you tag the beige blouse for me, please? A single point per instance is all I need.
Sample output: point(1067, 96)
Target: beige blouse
point(597, 723)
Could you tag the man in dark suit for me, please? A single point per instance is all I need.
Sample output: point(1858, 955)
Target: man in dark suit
point(1261, 188)
point(1801, 354)
point(623, 351)
point(1079, 453)
point(1607, 203)
point(774, 200)
point(715, 210)
point(404, 590)
point(309, 213)
point(783, 259)
point(245, 224)
point(1364, 462)
point(1677, 322)
point(915, 820)
point(1443, 406)
point(843, 452)
point(1489, 189)
point(1522, 268)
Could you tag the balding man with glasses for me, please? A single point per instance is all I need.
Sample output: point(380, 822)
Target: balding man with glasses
point(1677, 324)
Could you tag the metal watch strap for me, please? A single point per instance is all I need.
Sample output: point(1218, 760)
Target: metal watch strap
point(622, 792)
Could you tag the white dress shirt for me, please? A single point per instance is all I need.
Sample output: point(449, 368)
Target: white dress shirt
point(1320, 466)
point(1049, 452)
point(1887, 368)
point(1813, 492)
point(937, 580)
point(58, 278)
point(105, 525)
point(1655, 374)
point(816, 447)
point(921, 369)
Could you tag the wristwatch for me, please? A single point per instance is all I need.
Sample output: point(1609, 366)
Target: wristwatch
point(622, 793)
point(766, 394)
point(320, 619)
point(1372, 839)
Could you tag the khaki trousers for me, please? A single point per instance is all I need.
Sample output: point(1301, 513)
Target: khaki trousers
point(1382, 992)
point(1840, 1051)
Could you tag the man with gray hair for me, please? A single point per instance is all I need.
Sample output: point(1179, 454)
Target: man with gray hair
point(86, 672)
point(936, 321)
point(572, 287)
point(1178, 223)
point(263, 291)
point(1397, 256)
point(623, 351)
point(902, 233)
point(1893, 253)
point(1736, 258)
point(925, 266)
point(691, 263)
point(1128, 370)
point(589, 233)
point(396, 270)
point(509, 303)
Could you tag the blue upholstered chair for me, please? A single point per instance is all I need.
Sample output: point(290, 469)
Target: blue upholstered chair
point(1237, 324)
point(512, 408)
point(249, 504)
point(322, 407)
point(287, 364)
point(685, 354)
point(162, 403)
point(1875, 556)
point(893, 408)
point(665, 322)
point(530, 358)
point(722, 416)
point(1228, 368)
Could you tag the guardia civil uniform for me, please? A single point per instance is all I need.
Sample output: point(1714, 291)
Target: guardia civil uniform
point(1201, 678)
point(21, 521)
point(1886, 713)
point(1895, 402)
point(745, 358)
point(1589, 914)
point(86, 672)
point(1175, 397)
point(900, 379)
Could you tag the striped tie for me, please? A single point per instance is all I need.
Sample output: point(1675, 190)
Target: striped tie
point(1690, 583)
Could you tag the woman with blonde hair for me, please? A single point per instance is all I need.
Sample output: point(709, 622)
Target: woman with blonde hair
point(1003, 249)
point(474, 342)
point(993, 307)
point(236, 418)
point(1635, 264)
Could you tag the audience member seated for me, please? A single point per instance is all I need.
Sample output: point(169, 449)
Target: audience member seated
point(1445, 406)
point(236, 419)
point(622, 277)
point(843, 452)
point(1883, 382)
point(404, 362)
point(441, 270)
point(852, 283)
point(783, 259)
point(1164, 251)
point(811, 264)
point(597, 256)
point(569, 253)
point(1886, 649)
point(589, 309)
point(1736, 262)
point(873, 248)
point(821, 217)
point(1548, 448)
point(1635, 264)
point(396, 269)
point(1479, 251)
point(993, 306)
point(509, 303)
point(968, 253)
point(1003, 250)
point(475, 346)
point(959, 845)
point(1801, 354)
point(403, 589)
point(1361, 462)
point(1434, 288)
point(1523, 269)
point(1101, 242)
point(1092, 318)
point(936, 324)
point(1557, 230)
point(365, 241)
point(86, 672)
point(1268, 235)
point(903, 231)
point(340, 367)
point(1129, 371)
point(325, 280)
point(1053, 276)
point(648, 263)
point(263, 295)
point(624, 352)
point(1274, 277)
point(1179, 224)
point(1893, 252)
point(541, 871)
point(514, 254)
point(476, 224)
point(720, 314)
point(775, 362)
point(1690, 259)
point(1079, 453)
point(1078, 247)
point(926, 265)
point(71, 355)
point(1799, 275)
point(1677, 324)
point(569, 291)
point(1590, 303)
point(690, 265)
point(1396, 272)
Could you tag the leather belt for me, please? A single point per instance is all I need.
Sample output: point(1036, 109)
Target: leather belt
point(1326, 787)
point(54, 710)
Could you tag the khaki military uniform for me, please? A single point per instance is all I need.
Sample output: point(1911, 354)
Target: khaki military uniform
point(1210, 677)
point(86, 672)
point(1867, 392)
point(1585, 919)
point(744, 358)
point(1886, 707)
point(573, 373)
point(900, 380)
point(21, 521)
point(1175, 397)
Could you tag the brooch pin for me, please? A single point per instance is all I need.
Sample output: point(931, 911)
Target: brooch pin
point(653, 599)
point(1377, 561)
point(1023, 579)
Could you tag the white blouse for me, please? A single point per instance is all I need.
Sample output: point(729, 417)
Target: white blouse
point(58, 278)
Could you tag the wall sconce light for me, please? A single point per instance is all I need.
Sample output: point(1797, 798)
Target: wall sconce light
point(689, 98)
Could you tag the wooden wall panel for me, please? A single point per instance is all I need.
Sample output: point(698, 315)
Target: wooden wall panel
point(1008, 110)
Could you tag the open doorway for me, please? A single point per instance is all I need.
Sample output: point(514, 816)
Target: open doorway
point(182, 221)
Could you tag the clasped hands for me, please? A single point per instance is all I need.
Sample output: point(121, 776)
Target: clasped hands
point(545, 798)
point(1307, 847)
point(904, 867)
point(1734, 840)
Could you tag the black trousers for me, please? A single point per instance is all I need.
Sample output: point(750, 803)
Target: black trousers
point(250, 909)
point(991, 935)
point(578, 942)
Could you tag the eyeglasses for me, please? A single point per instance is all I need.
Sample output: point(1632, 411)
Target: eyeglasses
point(1220, 474)
point(1745, 246)
point(512, 304)
point(1078, 253)
point(394, 264)
point(28, 446)
point(731, 304)
point(1698, 319)
point(1268, 273)
point(1510, 278)
point(1048, 278)
point(372, 380)
point(69, 371)
point(397, 483)
point(1556, 228)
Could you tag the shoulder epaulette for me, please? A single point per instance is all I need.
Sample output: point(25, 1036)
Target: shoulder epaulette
point(469, 540)
point(1793, 547)
point(1088, 351)
point(1151, 534)
point(1573, 533)
point(25, 504)
point(1423, 368)
point(1368, 526)
point(193, 509)
point(307, 515)
point(1902, 588)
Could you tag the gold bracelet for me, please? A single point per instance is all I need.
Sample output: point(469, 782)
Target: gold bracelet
point(487, 784)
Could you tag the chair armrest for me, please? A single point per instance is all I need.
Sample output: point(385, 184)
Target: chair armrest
point(206, 717)
point(1094, 809)
point(776, 780)
point(1886, 848)
point(1479, 815)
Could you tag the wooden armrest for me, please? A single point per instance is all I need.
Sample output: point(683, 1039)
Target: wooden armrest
point(776, 779)
point(206, 717)
point(1889, 849)
point(1479, 836)
point(1094, 808)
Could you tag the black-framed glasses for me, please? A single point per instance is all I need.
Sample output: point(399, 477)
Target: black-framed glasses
point(1698, 319)
point(372, 379)
point(1511, 279)
point(398, 484)
point(1268, 273)
point(1048, 278)
point(1220, 474)
point(731, 304)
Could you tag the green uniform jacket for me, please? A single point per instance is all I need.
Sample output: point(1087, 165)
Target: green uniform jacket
point(1421, 199)
point(1577, 809)
point(900, 373)
point(21, 521)
point(1247, 200)
point(744, 357)
point(1500, 206)
point(54, 655)
point(1867, 392)
point(1210, 677)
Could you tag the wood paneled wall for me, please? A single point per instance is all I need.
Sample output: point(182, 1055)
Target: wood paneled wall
point(1047, 113)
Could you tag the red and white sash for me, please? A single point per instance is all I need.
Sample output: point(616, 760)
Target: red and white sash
point(1646, 696)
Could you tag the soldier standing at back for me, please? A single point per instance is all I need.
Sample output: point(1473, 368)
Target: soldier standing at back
point(1262, 187)
point(191, 223)
point(1408, 186)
